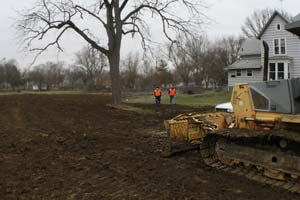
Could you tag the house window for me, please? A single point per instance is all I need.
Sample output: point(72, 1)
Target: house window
point(276, 46)
point(279, 46)
point(278, 71)
point(249, 72)
point(278, 27)
point(282, 46)
point(238, 72)
point(272, 71)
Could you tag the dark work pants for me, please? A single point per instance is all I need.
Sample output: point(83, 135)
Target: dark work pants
point(172, 100)
point(157, 101)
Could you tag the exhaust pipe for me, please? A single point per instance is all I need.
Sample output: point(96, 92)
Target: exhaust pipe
point(266, 61)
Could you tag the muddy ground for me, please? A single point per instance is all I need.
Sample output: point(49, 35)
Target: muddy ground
point(76, 147)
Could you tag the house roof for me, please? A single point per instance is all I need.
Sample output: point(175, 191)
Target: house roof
point(294, 27)
point(296, 18)
point(276, 13)
point(250, 46)
point(246, 63)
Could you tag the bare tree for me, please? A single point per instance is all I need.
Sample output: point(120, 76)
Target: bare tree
point(217, 57)
point(205, 60)
point(54, 74)
point(74, 77)
point(232, 46)
point(12, 74)
point(2, 75)
point(116, 17)
point(147, 75)
point(130, 73)
point(196, 49)
point(256, 21)
point(226, 53)
point(92, 63)
point(163, 75)
point(37, 76)
point(181, 59)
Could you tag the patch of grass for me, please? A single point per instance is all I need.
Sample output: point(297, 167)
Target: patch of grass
point(207, 98)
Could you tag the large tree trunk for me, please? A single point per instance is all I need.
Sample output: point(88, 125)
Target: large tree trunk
point(114, 63)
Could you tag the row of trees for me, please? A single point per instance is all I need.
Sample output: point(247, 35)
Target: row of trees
point(202, 61)
point(193, 61)
point(50, 76)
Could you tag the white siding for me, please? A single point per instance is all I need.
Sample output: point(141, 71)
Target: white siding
point(292, 44)
point(256, 76)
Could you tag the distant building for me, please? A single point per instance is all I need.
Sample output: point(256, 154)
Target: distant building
point(248, 67)
point(284, 53)
point(42, 87)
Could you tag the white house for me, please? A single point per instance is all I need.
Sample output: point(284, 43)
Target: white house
point(283, 44)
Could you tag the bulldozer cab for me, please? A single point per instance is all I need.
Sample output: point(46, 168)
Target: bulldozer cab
point(280, 96)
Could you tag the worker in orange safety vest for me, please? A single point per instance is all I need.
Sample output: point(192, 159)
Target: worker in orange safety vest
point(157, 95)
point(172, 94)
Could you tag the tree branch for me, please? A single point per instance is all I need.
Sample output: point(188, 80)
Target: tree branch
point(123, 5)
point(56, 42)
point(87, 38)
point(92, 14)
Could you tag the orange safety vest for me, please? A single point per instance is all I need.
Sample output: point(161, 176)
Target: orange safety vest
point(172, 92)
point(157, 93)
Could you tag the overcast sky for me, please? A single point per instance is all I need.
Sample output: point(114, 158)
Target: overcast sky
point(228, 16)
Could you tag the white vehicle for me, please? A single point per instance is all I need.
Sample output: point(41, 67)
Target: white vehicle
point(224, 107)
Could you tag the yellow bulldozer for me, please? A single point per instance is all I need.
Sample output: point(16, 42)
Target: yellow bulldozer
point(260, 139)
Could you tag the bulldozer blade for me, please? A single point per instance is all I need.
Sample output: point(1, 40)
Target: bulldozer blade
point(179, 137)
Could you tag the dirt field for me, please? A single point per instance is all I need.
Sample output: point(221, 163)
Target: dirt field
point(75, 147)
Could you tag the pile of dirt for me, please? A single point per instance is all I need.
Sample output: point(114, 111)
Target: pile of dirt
point(76, 147)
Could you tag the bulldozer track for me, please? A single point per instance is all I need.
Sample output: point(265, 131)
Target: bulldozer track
point(253, 168)
point(210, 158)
